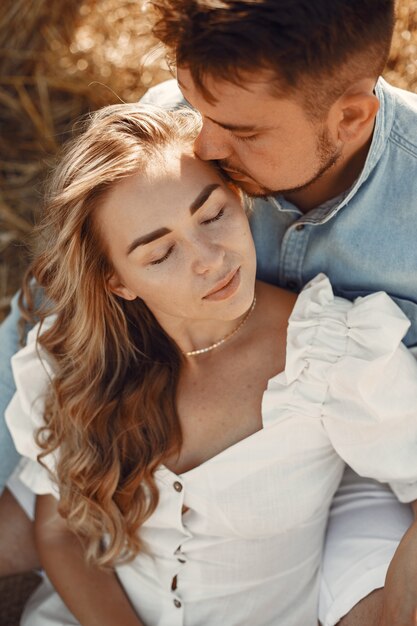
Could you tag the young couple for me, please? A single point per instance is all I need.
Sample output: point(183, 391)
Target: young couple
point(192, 418)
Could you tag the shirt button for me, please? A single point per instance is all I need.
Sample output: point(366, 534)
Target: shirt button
point(299, 227)
point(182, 561)
point(177, 486)
point(177, 603)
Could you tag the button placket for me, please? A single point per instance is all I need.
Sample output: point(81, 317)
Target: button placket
point(177, 486)
point(179, 554)
point(293, 250)
point(174, 587)
point(177, 602)
point(174, 583)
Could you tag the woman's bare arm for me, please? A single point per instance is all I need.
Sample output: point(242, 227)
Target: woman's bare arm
point(95, 597)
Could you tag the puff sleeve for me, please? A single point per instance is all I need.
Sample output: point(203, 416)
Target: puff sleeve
point(24, 415)
point(369, 407)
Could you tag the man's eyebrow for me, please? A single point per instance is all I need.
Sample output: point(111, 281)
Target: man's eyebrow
point(236, 128)
point(141, 241)
point(202, 197)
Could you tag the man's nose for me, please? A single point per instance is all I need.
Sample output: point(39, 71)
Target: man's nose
point(212, 143)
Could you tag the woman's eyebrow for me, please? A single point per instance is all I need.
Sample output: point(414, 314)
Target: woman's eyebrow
point(144, 239)
point(202, 197)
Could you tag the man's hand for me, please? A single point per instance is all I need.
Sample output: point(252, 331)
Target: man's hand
point(400, 591)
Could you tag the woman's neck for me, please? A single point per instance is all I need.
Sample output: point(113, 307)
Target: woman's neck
point(197, 337)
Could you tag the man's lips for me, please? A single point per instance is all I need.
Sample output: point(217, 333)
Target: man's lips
point(222, 283)
point(230, 170)
point(235, 174)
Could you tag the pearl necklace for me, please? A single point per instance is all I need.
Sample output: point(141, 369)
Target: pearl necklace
point(226, 337)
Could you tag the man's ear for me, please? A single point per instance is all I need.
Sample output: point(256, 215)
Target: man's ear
point(357, 115)
point(115, 286)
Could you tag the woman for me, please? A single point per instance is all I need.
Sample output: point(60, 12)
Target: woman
point(195, 422)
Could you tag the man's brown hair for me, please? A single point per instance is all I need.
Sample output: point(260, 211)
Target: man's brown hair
point(314, 46)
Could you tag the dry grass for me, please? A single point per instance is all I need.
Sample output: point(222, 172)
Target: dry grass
point(60, 59)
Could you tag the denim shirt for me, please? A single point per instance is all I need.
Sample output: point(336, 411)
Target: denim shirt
point(366, 240)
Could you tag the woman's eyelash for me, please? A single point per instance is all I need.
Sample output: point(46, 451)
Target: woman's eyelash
point(164, 258)
point(168, 253)
point(215, 218)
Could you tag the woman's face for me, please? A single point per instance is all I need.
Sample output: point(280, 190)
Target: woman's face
point(178, 237)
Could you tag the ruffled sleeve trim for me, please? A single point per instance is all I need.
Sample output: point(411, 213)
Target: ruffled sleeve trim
point(33, 372)
point(323, 327)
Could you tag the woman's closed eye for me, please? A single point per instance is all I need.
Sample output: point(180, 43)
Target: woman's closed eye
point(167, 254)
point(163, 258)
point(218, 216)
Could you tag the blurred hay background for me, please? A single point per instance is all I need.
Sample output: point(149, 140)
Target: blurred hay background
point(59, 59)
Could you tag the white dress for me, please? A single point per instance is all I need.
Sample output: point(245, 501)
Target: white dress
point(248, 550)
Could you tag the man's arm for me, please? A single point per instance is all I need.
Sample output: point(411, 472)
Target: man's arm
point(9, 344)
point(95, 597)
point(396, 603)
point(400, 592)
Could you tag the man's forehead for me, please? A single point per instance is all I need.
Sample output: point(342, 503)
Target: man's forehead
point(234, 106)
point(250, 83)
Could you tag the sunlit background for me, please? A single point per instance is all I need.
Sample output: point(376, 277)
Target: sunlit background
point(60, 59)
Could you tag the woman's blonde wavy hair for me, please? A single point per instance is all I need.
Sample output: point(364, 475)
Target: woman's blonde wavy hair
point(111, 409)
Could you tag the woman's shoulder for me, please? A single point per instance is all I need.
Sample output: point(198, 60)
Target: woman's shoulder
point(277, 303)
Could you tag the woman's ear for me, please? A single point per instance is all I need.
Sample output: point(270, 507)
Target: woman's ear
point(117, 287)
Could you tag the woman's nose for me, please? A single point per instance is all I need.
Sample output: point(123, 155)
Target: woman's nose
point(208, 256)
point(212, 144)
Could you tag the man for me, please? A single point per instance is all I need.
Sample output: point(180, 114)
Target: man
point(293, 112)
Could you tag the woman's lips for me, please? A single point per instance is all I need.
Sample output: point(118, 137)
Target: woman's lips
point(225, 288)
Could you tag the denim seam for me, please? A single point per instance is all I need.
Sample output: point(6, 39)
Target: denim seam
point(401, 142)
